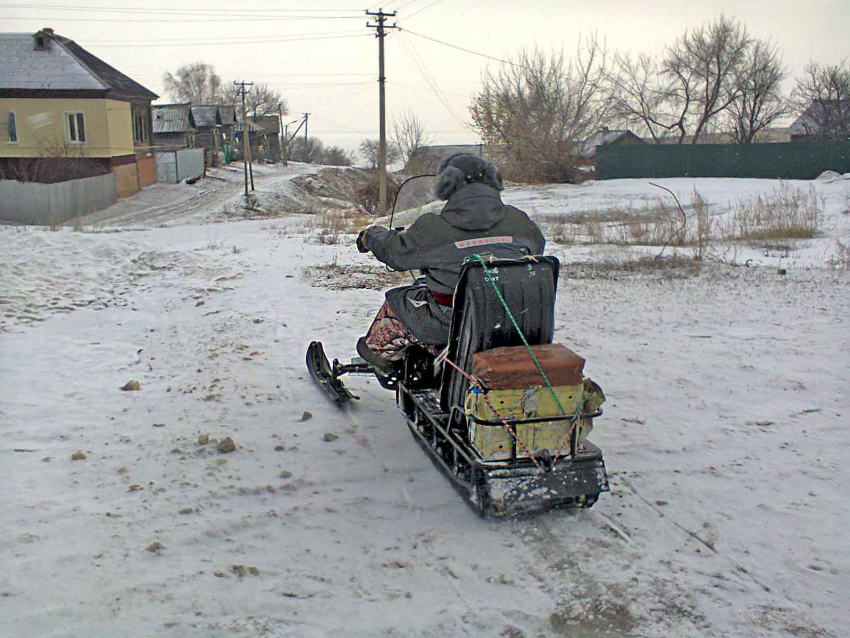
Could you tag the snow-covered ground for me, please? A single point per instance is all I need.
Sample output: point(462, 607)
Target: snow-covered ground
point(725, 435)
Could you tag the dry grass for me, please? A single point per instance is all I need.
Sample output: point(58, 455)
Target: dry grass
point(841, 259)
point(335, 276)
point(786, 213)
point(332, 225)
point(674, 267)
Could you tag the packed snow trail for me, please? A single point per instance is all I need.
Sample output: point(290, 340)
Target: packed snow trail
point(722, 432)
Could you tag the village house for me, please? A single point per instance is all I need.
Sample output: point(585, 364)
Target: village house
point(269, 138)
point(426, 159)
point(822, 120)
point(208, 122)
point(228, 132)
point(586, 164)
point(66, 114)
point(254, 136)
point(174, 126)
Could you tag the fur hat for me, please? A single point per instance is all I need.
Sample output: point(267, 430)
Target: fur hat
point(460, 169)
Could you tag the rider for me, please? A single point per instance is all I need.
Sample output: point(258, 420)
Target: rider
point(474, 220)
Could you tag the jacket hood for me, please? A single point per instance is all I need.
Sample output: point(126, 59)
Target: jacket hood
point(473, 207)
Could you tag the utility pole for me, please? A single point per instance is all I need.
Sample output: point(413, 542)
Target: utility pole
point(246, 147)
point(280, 133)
point(306, 117)
point(380, 33)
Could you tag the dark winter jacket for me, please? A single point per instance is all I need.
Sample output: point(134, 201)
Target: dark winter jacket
point(474, 220)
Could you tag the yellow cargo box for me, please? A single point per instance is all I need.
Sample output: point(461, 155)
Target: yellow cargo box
point(528, 411)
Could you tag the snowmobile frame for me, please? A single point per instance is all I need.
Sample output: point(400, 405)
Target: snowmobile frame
point(432, 400)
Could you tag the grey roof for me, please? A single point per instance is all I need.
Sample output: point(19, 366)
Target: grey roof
point(206, 115)
point(428, 158)
point(603, 137)
point(62, 65)
point(820, 112)
point(268, 123)
point(251, 125)
point(173, 118)
point(23, 67)
point(228, 115)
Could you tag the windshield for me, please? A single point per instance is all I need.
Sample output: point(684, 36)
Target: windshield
point(415, 197)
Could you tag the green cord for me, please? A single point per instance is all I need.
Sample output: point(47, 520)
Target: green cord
point(524, 340)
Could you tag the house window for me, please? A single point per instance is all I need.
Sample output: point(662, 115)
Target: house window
point(76, 124)
point(13, 128)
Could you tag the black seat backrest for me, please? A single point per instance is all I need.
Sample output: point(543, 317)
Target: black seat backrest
point(480, 322)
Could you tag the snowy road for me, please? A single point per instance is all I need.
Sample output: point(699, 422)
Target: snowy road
point(169, 204)
point(724, 433)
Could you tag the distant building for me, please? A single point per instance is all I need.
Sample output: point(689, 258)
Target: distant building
point(269, 138)
point(426, 159)
point(822, 120)
point(67, 114)
point(208, 123)
point(174, 125)
point(608, 137)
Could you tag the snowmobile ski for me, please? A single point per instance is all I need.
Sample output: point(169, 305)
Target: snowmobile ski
point(325, 375)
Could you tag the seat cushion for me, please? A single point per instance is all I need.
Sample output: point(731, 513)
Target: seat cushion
point(514, 369)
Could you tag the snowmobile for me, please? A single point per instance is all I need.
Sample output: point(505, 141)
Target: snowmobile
point(503, 412)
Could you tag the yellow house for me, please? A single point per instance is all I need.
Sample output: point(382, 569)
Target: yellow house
point(67, 114)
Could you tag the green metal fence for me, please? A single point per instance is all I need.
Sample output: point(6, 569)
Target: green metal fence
point(793, 160)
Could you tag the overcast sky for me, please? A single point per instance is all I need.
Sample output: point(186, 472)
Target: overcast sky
point(324, 60)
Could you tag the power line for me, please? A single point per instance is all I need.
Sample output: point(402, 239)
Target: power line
point(423, 9)
point(267, 18)
point(430, 90)
point(122, 41)
point(225, 42)
point(483, 55)
point(344, 94)
point(409, 2)
point(429, 79)
point(193, 12)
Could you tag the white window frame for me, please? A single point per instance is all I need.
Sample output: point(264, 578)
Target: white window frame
point(77, 115)
point(17, 139)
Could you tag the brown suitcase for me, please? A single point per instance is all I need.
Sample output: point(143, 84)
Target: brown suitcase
point(514, 369)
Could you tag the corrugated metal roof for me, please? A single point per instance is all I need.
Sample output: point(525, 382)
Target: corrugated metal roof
point(173, 118)
point(62, 65)
point(206, 115)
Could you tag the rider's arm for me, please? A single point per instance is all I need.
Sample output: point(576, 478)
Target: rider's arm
point(400, 249)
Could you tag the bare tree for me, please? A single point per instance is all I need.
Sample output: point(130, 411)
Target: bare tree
point(337, 156)
point(196, 83)
point(541, 108)
point(309, 150)
point(703, 65)
point(644, 99)
point(371, 152)
point(759, 101)
point(260, 100)
point(409, 136)
point(823, 97)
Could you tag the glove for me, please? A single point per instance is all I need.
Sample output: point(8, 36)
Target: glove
point(361, 241)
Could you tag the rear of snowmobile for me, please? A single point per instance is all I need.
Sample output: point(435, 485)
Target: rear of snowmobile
point(503, 412)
